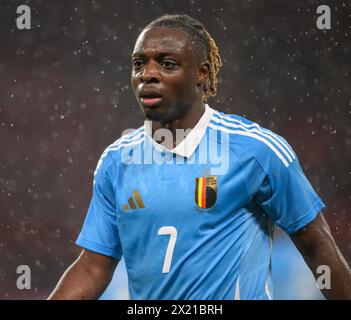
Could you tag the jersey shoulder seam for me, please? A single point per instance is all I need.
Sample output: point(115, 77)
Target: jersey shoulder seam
point(263, 136)
point(126, 140)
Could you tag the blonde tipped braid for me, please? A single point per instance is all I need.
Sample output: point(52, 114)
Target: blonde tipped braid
point(215, 61)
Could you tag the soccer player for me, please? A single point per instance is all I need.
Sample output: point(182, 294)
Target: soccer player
point(193, 216)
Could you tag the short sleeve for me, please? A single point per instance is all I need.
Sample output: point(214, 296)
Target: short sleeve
point(284, 193)
point(100, 231)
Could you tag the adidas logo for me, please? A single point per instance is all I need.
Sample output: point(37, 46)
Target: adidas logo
point(134, 202)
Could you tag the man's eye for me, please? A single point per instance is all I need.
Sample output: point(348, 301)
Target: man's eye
point(168, 64)
point(138, 64)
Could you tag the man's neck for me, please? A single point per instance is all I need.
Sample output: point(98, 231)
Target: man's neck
point(186, 123)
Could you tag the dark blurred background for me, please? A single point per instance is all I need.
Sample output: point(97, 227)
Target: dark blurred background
point(65, 95)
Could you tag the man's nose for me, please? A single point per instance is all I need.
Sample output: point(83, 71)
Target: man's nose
point(150, 73)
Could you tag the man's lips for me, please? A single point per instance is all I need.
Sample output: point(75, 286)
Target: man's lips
point(150, 101)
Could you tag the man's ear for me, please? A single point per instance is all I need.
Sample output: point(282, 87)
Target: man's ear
point(203, 73)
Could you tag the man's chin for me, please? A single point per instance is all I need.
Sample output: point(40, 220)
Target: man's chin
point(154, 115)
point(162, 114)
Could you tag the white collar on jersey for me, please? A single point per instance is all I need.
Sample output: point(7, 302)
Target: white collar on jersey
point(189, 144)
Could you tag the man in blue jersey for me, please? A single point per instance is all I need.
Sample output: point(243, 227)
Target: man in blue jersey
point(189, 199)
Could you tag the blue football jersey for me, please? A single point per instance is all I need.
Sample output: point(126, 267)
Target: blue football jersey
point(196, 222)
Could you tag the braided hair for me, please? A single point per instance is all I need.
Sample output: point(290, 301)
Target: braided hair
point(200, 36)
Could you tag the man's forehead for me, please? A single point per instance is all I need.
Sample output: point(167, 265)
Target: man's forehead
point(163, 40)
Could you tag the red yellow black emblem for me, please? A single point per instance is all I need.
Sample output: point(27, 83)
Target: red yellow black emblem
point(206, 191)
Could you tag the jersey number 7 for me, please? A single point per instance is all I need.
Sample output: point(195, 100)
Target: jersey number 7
point(172, 231)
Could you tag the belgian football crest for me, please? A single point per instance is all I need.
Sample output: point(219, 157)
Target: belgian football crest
point(206, 191)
